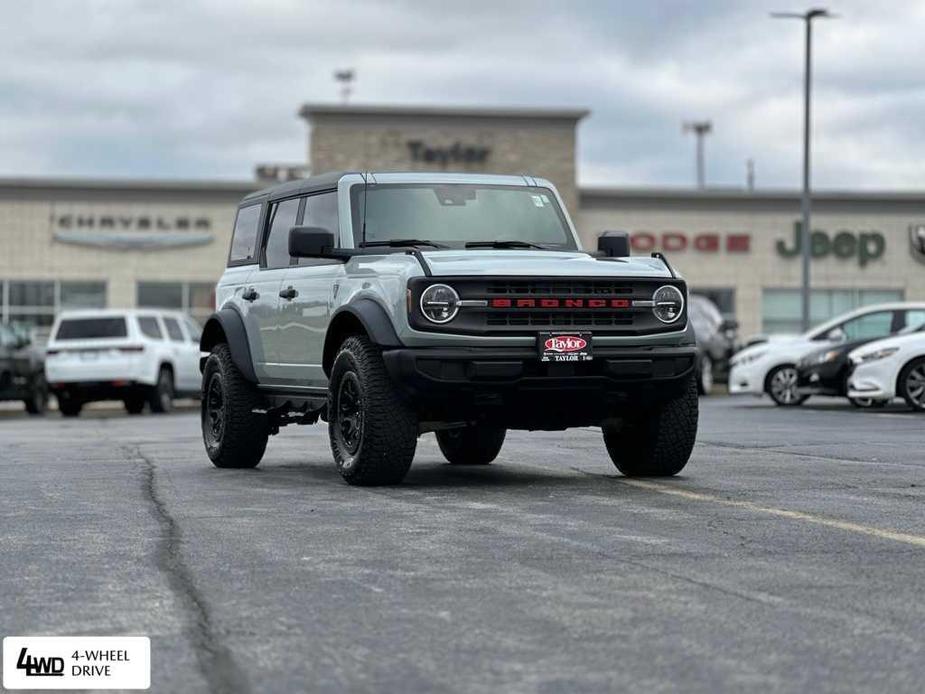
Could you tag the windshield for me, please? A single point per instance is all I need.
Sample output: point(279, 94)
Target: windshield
point(456, 214)
point(91, 328)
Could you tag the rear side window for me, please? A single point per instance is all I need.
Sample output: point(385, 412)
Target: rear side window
point(149, 327)
point(91, 328)
point(173, 329)
point(244, 240)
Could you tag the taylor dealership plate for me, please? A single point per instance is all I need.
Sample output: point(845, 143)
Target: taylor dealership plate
point(564, 346)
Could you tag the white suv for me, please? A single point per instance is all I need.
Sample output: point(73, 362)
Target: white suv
point(136, 356)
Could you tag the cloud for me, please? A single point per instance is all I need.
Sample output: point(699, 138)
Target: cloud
point(207, 89)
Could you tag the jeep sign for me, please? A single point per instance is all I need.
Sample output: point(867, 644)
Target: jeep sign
point(865, 246)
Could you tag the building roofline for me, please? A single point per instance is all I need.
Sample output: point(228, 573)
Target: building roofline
point(745, 195)
point(151, 184)
point(307, 110)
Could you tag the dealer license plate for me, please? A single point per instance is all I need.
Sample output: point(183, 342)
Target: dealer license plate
point(564, 346)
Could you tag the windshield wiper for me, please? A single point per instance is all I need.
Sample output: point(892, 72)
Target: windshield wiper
point(505, 244)
point(397, 243)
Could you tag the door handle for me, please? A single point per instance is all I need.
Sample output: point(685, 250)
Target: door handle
point(289, 293)
point(250, 294)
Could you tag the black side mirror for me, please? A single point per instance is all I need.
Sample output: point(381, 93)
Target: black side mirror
point(310, 242)
point(614, 244)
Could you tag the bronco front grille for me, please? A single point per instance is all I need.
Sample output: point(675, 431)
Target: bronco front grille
point(556, 288)
point(557, 320)
point(523, 306)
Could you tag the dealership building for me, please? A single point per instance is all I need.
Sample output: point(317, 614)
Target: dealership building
point(90, 243)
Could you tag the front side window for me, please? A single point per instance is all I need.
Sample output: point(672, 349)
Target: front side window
point(455, 215)
point(283, 217)
point(320, 211)
point(244, 238)
point(173, 329)
point(873, 325)
point(194, 330)
point(149, 327)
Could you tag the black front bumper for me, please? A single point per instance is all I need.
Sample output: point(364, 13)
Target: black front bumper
point(511, 387)
point(823, 379)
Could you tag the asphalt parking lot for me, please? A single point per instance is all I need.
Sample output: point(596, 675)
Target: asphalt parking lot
point(789, 556)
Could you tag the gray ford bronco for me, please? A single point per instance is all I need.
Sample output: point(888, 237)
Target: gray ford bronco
point(393, 304)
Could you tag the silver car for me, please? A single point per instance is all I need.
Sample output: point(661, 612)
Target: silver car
point(393, 304)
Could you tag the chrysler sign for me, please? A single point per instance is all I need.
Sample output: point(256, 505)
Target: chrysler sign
point(130, 231)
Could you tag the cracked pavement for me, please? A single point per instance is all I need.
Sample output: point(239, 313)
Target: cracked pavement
point(789, 556)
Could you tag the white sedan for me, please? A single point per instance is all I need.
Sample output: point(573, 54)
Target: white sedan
point(894, 367)
point(771, 367)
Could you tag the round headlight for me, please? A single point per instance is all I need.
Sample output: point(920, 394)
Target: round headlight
point(668, 303)
point(439, 303)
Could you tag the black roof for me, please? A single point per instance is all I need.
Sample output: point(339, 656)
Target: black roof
point(312, 184)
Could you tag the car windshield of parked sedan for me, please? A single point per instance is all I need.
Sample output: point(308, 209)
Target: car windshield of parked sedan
point(459, 216)
point(91, 328)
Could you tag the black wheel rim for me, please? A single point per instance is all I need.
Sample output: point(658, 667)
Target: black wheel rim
point(784, 386)
point(214, 419)
point(350, 413)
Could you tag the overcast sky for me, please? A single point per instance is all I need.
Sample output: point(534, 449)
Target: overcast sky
point(203, 89)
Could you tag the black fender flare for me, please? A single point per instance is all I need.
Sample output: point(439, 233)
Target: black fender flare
point(227, 325)
point(364, 313)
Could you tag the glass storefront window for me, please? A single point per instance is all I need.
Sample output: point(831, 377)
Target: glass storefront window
point(195, 298)
point(28, 293)
point(35, 303)
point(781, 308)
point(160, 295)
point(82, 295)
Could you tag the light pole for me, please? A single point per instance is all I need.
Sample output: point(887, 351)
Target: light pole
point(805, 205)
point(345, 78)
point(700, 129)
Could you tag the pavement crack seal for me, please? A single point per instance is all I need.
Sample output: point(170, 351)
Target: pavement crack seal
point(848, 526)
point(215, 661)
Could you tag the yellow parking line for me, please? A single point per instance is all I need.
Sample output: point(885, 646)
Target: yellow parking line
point(895, 536)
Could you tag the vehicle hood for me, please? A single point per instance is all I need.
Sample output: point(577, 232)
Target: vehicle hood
point(842, 349)
point(915, 341)
point(526, 263)
point(780, 348)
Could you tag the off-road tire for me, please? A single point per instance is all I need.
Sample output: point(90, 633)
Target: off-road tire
point(656, 442)
point(907, 384)
point(373, 432)
point(69, 407)
point(241, 438)
point(160, 395)
point(37, 402)
point(471, 445)
point(786, 372)
point(134, 403)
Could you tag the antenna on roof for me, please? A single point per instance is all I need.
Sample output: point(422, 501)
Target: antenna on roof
point(346, 79)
